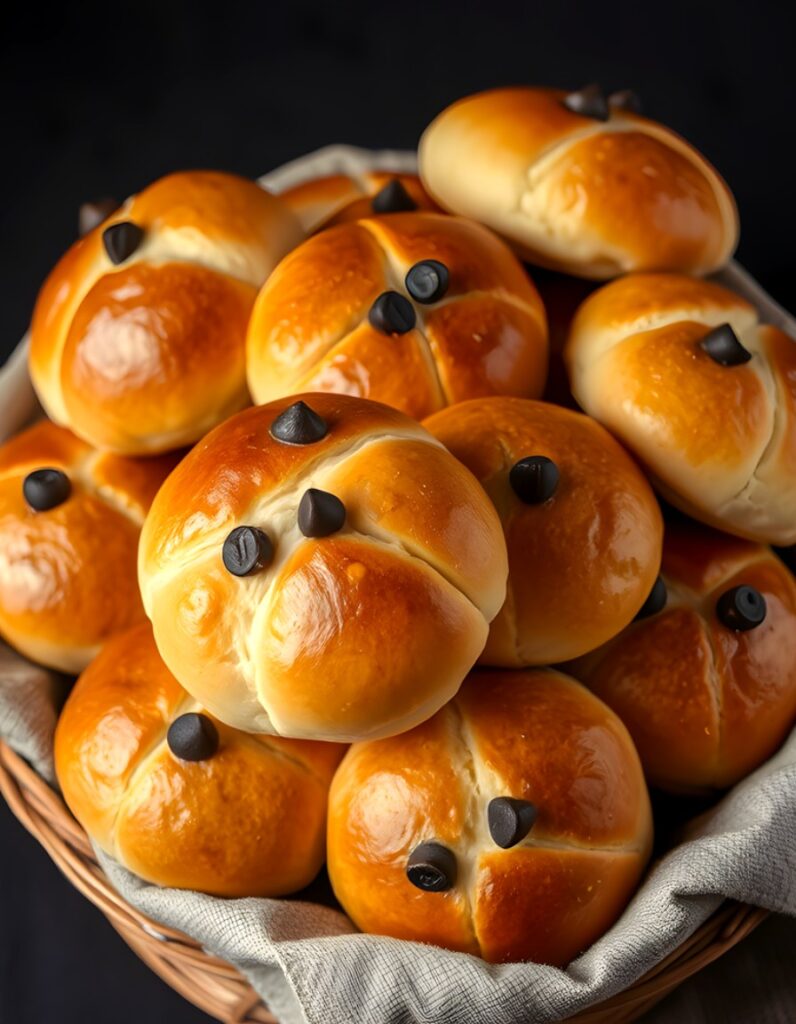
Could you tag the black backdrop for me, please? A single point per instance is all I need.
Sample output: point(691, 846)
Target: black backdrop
point(103, 104)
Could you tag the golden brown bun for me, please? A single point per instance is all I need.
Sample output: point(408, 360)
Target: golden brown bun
point(338, 198)
point(310, 328)
point(719, 440)
point(148, 354)
point(68, 574)
point(588, 197)
point(247, 819)
point(705, 703)
point(535, 736)
point(582, 562)
point(362, 632)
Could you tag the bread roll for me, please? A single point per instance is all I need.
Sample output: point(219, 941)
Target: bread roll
point(582, 526)
point(338, 198)
point(138, 335)
point(685, 375)
point(579, 183)
point(706, 682)
point(416, 310)
point(321, 567)
point(69, 523)
point(177, 797)
point(515, 824)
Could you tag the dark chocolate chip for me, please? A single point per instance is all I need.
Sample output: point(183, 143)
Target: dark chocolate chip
point(788, 556)
point(656, 600)
point(393, 198)
point(432, 867)
point(510, 820)
point(193, 737)
point(299, 424)
point(625, 99)
point(534, 479)
point(320, 513)
point(724, 348)
point(391, 313)
point(121, 240)
point(741, 608)
point(246, 550)
point(94, 213)
point(427, 281)
point(589, 101)
point(46, 488)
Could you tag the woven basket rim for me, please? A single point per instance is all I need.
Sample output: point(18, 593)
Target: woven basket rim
point(217, 988)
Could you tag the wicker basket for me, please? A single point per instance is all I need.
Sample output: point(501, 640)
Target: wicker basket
point(221, 991)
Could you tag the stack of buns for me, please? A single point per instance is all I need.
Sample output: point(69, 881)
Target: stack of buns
point(447, 657)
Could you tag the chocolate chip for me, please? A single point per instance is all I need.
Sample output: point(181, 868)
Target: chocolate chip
point(741, 608)
point(391, 313)
point(625, 99)
point(193, 737)
point(724, 348)
point(656, 600)
point(393, 198)
point(299, 424)
point(93, 213)
point(534, 479)
point(509, 820)
point(432, 867)
point(121, 240)
point(427, 281)
point(44, 489)
point(320, 513)
point(246, 550)
point(589, 101)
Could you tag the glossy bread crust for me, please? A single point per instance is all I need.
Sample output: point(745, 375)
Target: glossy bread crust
point(591, 198)
point(148, 354)
point(705, 704)
point(360, 633)
point(68, 574)
point(535, 736)
point(310, 328)
point(247, 821)
point(339, 198)
point(582, 563)
point(719, 441)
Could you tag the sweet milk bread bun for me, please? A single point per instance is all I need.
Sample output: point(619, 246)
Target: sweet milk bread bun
point(706, 680)
point(70, 518)
point(177, 797)
point(515, 824)
point(582, 526)
point(338, 198)
point(138, 335)
point(683, 373)
point(321, 568)
point(416, 310)
point(579, 182)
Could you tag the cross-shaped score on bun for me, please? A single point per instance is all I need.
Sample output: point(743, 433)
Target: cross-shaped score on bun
point(416, 310)
point(321, 567)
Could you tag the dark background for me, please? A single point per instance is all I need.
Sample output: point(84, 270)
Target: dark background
point(104, 104)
